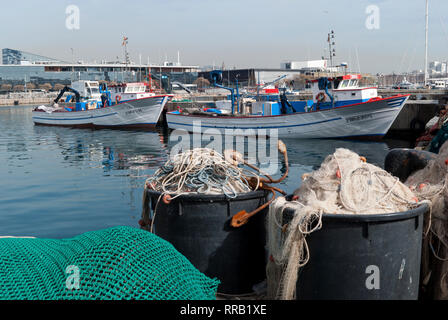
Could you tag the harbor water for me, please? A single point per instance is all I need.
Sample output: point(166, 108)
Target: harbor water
point(60, 182)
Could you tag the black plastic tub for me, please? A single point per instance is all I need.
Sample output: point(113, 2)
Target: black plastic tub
point(363, 257)
point(199, 227)
point(402, 163)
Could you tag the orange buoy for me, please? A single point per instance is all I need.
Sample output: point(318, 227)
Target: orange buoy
point(338, 174)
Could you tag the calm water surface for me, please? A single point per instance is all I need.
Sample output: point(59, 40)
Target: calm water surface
point(60, 182)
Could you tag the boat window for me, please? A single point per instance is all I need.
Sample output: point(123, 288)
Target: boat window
point(95, 90)
point(336, 83)
point(344, 84)
point(353, 82)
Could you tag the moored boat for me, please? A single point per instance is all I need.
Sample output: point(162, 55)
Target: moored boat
point(93, 106)
point(340, 109)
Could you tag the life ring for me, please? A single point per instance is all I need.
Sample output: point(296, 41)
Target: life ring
point(117, 99)
point(320, 97)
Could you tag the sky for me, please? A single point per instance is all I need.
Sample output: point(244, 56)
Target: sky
point(236, 33)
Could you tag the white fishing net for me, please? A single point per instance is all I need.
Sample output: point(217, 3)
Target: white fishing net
point(430, 183)
point(344, 184)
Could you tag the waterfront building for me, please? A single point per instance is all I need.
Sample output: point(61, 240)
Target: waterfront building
point(321, 65)
point(23, 67)
point(18, 57)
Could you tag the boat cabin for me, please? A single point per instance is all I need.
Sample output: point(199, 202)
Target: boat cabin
point(87, 89)
point(340, 91)
point(129, 91)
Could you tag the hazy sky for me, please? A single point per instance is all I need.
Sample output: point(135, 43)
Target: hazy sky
point(244, 33)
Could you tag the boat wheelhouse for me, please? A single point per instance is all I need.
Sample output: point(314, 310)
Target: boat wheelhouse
point(87, 89)
point(129, 91)
point(340, 91)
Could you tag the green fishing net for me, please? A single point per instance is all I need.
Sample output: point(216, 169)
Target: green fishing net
point(115, 263)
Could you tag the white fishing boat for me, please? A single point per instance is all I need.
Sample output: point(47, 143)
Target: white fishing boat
point(340, 109)
point(92, 106)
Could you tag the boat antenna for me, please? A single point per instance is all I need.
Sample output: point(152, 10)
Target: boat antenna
point(331, 44)
point(73, 65)
point(126, 55)
point(357, 59)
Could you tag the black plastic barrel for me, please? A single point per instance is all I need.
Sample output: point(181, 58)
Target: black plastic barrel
point(403, 162)
point(364, 257)
point(199, 227)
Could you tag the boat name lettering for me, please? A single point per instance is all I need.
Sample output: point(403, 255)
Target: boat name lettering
point(134, 111)
point(358, 118)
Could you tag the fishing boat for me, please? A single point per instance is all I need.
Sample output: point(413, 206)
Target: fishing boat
point(95, 106)
point(340, 109)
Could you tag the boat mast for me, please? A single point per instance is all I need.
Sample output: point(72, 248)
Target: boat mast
point(73, 66)
point(331, 49)
point(426, 46)
point(126, 55)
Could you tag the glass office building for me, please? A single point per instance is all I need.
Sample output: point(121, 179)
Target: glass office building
point(17, 57)
point(23, 67)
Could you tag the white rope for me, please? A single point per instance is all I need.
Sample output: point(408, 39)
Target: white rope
point(201, 170)
point(344, 184)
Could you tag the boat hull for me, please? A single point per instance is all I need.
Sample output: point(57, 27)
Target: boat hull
point(371, 119)
point(140, 113)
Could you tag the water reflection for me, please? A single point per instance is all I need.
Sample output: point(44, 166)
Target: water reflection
point(108, 149)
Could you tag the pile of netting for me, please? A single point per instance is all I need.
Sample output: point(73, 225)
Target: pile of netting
point(115, 263)
point(344, 184)
point(200, 170)
point(431, 183)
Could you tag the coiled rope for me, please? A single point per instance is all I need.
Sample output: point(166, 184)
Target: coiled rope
point(201, 170)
